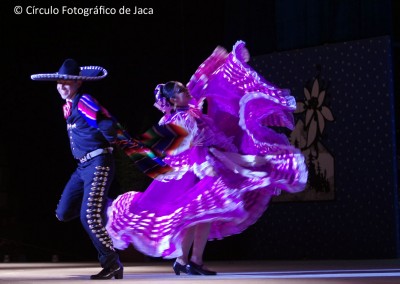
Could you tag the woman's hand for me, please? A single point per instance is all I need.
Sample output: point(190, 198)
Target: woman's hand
point(245, 54)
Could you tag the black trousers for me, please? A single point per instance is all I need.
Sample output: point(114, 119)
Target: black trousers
point(85, 196)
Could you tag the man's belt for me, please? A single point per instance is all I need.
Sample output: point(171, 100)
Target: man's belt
point(95, 153)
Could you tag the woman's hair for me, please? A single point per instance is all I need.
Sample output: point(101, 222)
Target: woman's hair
point(165, 92)
point(168, 90)
point(171, 88)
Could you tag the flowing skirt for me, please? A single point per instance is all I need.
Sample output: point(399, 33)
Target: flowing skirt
point(237, 191)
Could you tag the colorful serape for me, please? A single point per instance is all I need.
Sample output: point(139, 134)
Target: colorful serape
point(147, 151)
point(146, 154)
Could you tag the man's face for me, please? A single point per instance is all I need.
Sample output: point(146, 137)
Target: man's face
point(68, 88)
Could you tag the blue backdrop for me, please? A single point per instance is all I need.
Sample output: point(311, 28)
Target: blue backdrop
point(359, 216)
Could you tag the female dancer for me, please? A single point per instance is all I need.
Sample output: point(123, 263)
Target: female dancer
point(227, 164)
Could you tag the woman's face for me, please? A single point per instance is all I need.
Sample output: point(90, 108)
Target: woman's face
point(182, 96)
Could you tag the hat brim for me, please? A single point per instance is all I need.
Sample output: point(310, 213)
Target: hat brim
point(88, 73)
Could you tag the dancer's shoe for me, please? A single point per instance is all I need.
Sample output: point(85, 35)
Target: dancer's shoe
point(178, 268)
point(195, 269)
point(116, 271)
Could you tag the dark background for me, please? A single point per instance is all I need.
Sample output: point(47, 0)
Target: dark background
point(139, 51)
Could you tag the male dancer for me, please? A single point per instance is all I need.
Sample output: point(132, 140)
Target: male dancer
point(92, 132)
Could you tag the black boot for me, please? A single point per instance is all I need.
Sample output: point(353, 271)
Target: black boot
point(116, 270)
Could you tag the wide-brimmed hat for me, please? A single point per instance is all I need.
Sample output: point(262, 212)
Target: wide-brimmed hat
point(70, 70)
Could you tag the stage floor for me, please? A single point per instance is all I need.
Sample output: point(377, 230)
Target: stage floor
point(310, 272)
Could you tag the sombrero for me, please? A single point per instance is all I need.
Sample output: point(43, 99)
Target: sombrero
point(70, 70)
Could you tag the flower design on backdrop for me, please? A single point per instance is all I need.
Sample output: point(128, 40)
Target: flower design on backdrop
point(313, 112)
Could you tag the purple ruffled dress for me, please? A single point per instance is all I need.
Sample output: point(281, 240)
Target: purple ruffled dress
point(225, 170)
